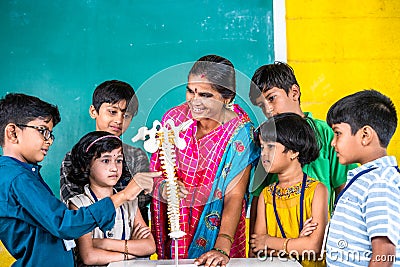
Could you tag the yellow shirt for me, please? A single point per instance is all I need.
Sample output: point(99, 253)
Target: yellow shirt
point(288, 208)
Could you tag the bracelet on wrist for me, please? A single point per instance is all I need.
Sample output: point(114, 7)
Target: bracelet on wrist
point(285, 246)
point(126, 250)
point(221, 251)
point(230, 238)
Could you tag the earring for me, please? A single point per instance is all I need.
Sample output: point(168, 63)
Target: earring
point(229, 105)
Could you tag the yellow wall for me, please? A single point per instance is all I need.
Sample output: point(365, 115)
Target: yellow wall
point(339, 47)
point(5, 258)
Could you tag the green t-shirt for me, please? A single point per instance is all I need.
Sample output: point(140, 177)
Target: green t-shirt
point(326, 168)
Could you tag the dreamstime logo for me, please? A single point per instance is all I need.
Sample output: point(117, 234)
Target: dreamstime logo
point(167, 89)
point(341, 244)
point(341, 254)
point(293, 255)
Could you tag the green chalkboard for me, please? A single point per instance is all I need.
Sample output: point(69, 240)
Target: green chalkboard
point(61, 50)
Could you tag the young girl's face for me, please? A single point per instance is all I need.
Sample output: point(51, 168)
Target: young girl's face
point(274, 159)
point(106, 170)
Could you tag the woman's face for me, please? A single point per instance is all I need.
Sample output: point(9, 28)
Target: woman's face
point(204, 101)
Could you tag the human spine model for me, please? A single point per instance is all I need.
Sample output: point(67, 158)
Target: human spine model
point(166, 139)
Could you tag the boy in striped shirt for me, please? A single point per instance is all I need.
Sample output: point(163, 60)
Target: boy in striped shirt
point(364, 229)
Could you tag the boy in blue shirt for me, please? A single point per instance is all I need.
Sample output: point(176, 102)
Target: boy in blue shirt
point(364, 229)
point(33, 222)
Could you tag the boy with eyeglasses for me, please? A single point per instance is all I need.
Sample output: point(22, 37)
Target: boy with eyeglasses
point(34, 224)
point(47, 134)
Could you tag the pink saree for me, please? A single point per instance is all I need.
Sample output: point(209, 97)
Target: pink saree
point(202, 165)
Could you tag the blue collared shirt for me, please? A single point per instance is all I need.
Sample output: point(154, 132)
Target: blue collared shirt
point(33, 222)
point(369, 208)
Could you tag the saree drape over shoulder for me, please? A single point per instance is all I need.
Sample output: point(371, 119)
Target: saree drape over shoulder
point(206, 167)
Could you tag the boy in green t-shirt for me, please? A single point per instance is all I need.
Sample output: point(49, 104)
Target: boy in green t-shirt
point(275, 90)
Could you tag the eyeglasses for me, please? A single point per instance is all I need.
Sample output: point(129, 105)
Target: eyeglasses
point(47, 134)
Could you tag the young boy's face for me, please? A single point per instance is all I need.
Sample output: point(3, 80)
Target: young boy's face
point(111, 118)
point(32, 146)
point(106, 170)
point(275, 101)
point(345, 144)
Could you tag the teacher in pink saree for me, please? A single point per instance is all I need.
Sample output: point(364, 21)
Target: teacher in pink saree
point(213, 170)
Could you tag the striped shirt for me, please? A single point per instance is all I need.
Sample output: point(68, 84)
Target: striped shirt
point(369, 208)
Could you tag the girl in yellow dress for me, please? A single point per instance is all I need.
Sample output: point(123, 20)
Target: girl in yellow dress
point(287, 143)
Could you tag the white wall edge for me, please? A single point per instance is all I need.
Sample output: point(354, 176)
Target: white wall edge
point(280, 42)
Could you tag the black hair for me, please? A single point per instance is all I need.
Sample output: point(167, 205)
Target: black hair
point(219, 71)
point(278, 74)
point(90, 147)
point(21, 109)
point(294, 133)
point(114, 91)
point(367, 107)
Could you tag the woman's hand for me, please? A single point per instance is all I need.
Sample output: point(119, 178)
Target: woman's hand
point(308, 228)
point(182, 191)
point(140, 231)
point(212, 258)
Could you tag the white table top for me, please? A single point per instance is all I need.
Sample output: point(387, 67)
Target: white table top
point(234, 262)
